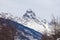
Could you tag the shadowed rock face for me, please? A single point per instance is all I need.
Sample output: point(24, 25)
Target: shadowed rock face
point(53, 37)
point(10, 30)
point(7, 31)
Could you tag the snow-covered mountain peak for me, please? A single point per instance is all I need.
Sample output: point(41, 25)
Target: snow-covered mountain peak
point(29, 15)
point(29, 20)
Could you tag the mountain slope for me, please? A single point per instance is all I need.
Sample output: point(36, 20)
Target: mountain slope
point(22, 32)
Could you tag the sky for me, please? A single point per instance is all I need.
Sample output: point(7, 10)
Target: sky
point(42, 8)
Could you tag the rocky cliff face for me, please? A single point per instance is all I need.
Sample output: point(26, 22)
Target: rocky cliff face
point(28, 27)
point(7, 31)
point(10, 30)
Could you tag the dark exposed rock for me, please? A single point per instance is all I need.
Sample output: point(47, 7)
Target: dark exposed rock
point(7, 32)
point(10, 30)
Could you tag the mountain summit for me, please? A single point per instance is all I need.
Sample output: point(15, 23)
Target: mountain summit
point(31, 21)
point(29, 15)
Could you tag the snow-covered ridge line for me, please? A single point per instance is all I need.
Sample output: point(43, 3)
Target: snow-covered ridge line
point(22, 20)
point(30, 20)
point(41, 26)
point(9, 16)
